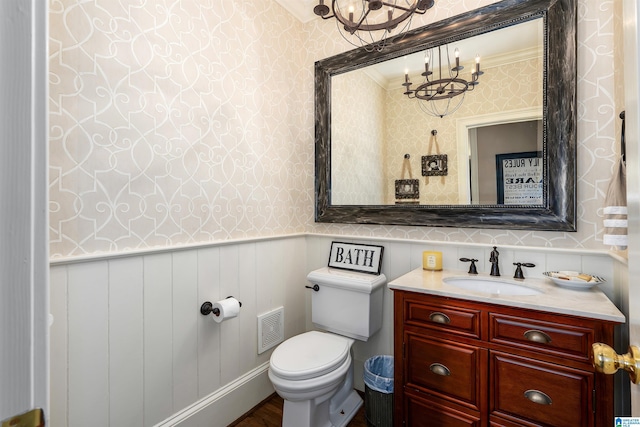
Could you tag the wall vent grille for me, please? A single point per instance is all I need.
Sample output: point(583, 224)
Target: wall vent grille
point(270, 329)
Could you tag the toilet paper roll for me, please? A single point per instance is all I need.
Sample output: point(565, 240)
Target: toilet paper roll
point(226, 309)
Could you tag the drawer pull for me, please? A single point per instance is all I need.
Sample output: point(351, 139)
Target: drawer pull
point(438, 317)
point(538, 397)
point(440, 369)
point(537, 336)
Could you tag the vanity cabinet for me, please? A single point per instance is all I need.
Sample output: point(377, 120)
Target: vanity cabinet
point(467, 363)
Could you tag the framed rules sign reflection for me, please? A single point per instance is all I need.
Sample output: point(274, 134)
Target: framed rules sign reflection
point(519, 178)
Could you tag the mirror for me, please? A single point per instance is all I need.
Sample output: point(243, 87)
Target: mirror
point(389, 135)
point(356, 183)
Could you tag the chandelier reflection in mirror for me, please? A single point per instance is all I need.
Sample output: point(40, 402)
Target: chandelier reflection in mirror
point(442, 94)
point(370, 22)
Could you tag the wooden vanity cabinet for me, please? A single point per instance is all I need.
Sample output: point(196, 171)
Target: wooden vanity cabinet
point(464, 363)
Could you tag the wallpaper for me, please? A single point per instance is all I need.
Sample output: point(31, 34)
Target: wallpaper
point(175, 122)
point(359, 161)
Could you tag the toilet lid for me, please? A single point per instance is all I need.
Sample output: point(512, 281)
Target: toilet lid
point(309, 355)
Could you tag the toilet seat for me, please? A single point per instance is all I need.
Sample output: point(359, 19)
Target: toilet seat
point(309, 355)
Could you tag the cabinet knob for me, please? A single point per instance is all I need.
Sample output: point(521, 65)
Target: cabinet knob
point(439, 369)
point(536, 396)
point(537, 336)
point(607, 361)
point(438, 317)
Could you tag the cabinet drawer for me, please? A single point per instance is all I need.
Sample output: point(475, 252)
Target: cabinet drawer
point(541, 393)
point(442, 317)
point(447, 369)
point(426, 413)
point(553, 338)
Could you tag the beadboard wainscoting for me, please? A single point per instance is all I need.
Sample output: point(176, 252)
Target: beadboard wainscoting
point(129, 346)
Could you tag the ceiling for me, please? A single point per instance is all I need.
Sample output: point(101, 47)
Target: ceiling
point(524, 38)
point(495, 48)
point(301, 9)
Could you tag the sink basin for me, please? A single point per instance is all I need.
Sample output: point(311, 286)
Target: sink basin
point(490, 286)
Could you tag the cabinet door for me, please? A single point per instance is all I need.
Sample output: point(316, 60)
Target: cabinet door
point(541, 393)
point(447, 369)
point(423, 412)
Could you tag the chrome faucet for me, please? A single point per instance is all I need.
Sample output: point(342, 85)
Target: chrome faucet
point(493, 259)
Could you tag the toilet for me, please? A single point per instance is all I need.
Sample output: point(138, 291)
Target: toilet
point(313, 371)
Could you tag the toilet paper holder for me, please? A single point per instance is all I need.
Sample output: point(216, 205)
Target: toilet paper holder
point(207, 308)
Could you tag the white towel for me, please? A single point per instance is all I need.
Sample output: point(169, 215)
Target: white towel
point(615, 209)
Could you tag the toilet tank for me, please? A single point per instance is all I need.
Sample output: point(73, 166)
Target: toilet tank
point(347, 303)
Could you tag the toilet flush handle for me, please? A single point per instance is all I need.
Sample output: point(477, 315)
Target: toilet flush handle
point(314, 287)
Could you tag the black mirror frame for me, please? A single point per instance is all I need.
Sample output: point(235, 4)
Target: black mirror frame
point(558, 212)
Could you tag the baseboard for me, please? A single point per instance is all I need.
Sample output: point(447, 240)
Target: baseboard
point(228, 403)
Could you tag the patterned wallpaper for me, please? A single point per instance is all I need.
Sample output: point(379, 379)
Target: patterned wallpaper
point(360, 161)
point(180, 121)
point(175, 122)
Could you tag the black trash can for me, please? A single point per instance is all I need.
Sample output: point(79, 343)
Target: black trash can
point(378, 391)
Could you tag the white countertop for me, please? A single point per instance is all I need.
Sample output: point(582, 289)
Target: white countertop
point(590, 303)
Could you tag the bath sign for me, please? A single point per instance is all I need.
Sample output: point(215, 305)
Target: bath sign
point(356, 257)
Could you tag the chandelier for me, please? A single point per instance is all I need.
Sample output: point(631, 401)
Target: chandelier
point(439, 94)
point(370, 22)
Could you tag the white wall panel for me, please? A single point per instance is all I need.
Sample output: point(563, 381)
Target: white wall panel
point(556, 262)
point(318, 251)
point(317, 248)
point(267, 267)
point(186, 312)
point(139, 351)
point(126, 352)
point(293, 283)
point(229, 329)
point(158, 339)
point(208, 329)
point(396, 259)
point(88, 345)
point(247, 319)
point(59, 344)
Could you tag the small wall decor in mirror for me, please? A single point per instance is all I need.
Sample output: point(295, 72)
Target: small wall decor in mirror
point(525, 103)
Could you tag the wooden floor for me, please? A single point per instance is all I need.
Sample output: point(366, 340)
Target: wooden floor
point(269, 414)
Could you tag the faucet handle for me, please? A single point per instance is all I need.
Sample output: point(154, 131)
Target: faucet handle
point(519, 265)
point(472, 267)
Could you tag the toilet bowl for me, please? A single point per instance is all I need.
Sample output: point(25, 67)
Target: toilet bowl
point(313, 371)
